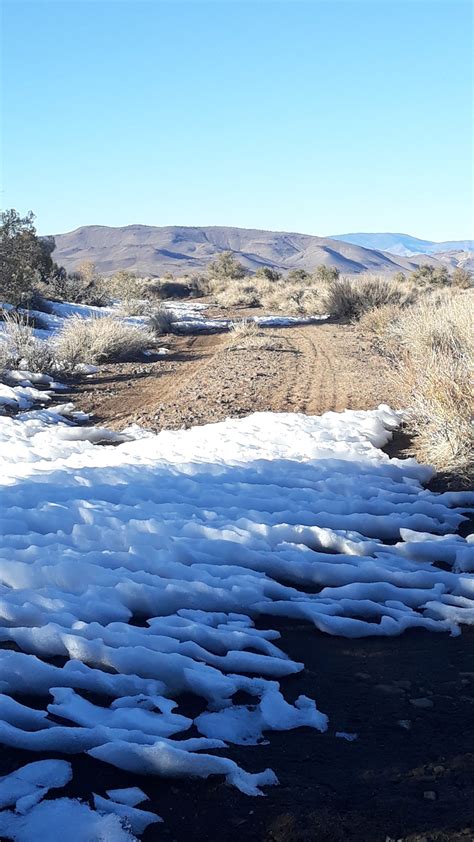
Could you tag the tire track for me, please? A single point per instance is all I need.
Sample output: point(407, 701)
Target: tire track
point(313, 388)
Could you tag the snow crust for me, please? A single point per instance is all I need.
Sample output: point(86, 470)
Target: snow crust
point(63, 818)
point(141, 569)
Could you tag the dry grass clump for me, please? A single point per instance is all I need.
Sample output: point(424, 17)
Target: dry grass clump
point(20, 348)
point(282, 296)
point(135, 307)
point(239, 293)
point(5, 359)
point(350, 298)
point(247, 335)
point(243, 329)
point(160, 321)
point(432, 347)
point(294, 299)
point(85, 286)
point(378, 324)
point(99, 339)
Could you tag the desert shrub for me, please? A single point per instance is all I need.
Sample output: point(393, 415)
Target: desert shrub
point(428, 274)
point(25, 258)
point(292, 299)
point(279, 296)
point(91, 286)
point(325, 274)
point(180, 288)
point(99, 339)
point(226, 267)
point(5, 357)
point(198, 285)
point(378, 325)
point(310, 302)
point(164, 288)
point(86, 286)
point(461, 278)
point(22, 348)
point(399, 277)
point(135, 307)
point(241, 293)
point(298, 276)
point(160, 321)
point(125, 286)
point(434, 374)
point(349, 299)
point(268, 274)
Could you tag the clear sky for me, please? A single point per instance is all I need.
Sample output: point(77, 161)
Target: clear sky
point(324, 116)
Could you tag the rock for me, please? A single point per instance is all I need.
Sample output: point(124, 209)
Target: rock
point(423, 703)
point(363, 676)
point(389, 689)
point(429, 795)
point(405, 723)
point(405, 685)
point(438, 770)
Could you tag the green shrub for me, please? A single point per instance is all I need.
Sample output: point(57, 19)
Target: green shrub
point(25, 258)
point(428, 274)
point(268, 274)
point(226, 267)
point(298, 276)
point(325, 274)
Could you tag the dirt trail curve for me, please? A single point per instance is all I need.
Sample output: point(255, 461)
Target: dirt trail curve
point(311, 369)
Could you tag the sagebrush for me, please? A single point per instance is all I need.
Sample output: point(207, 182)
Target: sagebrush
point(20, 348)
point(99, 339)
point(431, 348)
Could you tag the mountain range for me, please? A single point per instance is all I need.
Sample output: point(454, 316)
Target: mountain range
point(404, 244)
point(153, 251)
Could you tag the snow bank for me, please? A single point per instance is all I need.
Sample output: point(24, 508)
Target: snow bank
point(192, 535)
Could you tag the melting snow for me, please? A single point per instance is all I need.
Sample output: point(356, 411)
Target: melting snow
point(194, 534)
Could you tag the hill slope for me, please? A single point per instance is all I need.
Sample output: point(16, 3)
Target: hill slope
point(404, 244)
point(150, 250)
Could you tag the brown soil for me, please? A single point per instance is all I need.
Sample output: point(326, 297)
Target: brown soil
point(311, 369)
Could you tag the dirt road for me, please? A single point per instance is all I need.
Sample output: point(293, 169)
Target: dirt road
point(311, 369)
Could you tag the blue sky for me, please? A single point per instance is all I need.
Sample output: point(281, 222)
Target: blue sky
point(321, 117)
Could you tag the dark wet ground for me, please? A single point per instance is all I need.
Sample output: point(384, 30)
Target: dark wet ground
point(410, 781)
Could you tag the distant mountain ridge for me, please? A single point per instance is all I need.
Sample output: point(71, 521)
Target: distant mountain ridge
point(152, 251)
point(403, 244)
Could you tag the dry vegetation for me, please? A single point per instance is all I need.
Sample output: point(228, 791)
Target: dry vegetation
point(350, 299)
point(431, 347)
point(99, 339)
point(160, 321)
point(20, 349)
point(281, 295)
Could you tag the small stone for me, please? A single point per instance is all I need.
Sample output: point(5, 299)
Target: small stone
point(405, 723)
point(429, 795)
point(389, 690)
point(438, 770)
point(363, 676)
point(422, 703)
point(405, 685)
